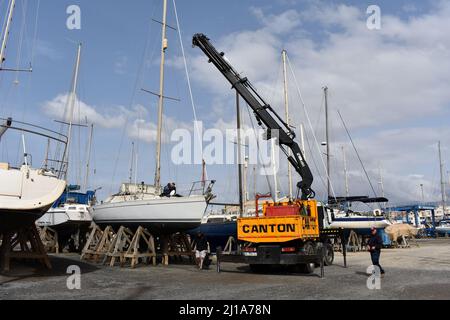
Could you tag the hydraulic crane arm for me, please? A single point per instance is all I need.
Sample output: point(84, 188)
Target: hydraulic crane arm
point(264, 113)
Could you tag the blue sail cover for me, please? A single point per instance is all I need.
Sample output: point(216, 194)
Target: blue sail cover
point(75, 197)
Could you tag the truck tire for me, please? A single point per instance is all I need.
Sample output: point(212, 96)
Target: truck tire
point(329, 254)
point(308, 268)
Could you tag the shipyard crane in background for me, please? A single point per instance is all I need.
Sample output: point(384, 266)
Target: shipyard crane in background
point(290, 233)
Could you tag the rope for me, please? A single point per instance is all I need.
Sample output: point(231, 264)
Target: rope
point(259, 151)
point(139, 80)
point(36, 25)
point(357, 153)
point(21, 37)
point(188, 78)
point(309, 122)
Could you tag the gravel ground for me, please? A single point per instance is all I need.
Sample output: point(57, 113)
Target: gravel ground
point(416, 273)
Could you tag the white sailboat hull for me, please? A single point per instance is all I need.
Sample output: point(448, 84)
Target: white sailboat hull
point(359, 223)
point(443, 230)
point(69, 214)
point(160, 215)
point(25, 195)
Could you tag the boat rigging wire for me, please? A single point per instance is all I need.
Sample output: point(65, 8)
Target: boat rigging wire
point(259, 149)
point(138, 82)
point(188, 78)
point(309, 122)
point(357, 153)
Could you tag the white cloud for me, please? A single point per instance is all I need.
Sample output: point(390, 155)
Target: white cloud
point(121, 65)
point(112, 118)
point(47, 50)
point(147, 131)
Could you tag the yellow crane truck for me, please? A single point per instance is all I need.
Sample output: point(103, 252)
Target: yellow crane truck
point(291, 233)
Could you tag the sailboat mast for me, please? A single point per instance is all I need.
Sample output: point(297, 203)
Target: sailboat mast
point(347, 189)
point(302, 139)
point(381, 180)
point(72, 100)
point(239, 152)
point(12, 5)
point(325, 90)
point(441, 165)
point(275, 176)
point(164, 47)
point(88, 162)
point(286, 103)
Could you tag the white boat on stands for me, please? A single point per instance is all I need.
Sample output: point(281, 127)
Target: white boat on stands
point(139, 205)
point(26, 194)
point(444, 227)
point(76, 214)
point(143, 205)
point(344, 218)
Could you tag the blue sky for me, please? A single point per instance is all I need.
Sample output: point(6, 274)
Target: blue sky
point(397, 124)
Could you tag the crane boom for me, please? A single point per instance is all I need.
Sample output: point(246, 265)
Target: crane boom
point(264, 113)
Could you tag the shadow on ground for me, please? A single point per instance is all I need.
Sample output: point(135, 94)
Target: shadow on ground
point(33, 269)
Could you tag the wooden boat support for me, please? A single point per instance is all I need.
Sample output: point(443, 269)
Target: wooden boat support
point(142, 247)
point(176, 246)
point(132, 248)
point(98, 243)
point(49, 238)
point(24, 244)
point(121, 242)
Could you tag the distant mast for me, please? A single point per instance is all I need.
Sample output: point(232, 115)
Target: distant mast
point(72, 101)
point(164, 47)
point(88, 162)
point(327, 133)
point(380, 169)
point(441, 166)
point(347, 189)
point(286, 102)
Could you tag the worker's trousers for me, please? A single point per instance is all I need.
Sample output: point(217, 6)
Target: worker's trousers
point(375, 255)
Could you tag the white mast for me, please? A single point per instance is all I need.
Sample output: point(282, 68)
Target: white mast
point(131, 163)
point(327, 133)
point(164, 47)
point(286, 103)
point(88, 162)
point(72, 101)
point(275, 174)
point(347, 189)
point(239, 151)
point(441, 165)
point(381, 180)
point(12, 4)
point(245, 178)
point(302, 138)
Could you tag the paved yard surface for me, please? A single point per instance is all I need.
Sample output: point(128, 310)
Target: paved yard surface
point(417, 273)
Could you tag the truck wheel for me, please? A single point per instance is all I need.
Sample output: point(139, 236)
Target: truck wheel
point(307, 268)
point(310, 250)
point(329, 255)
